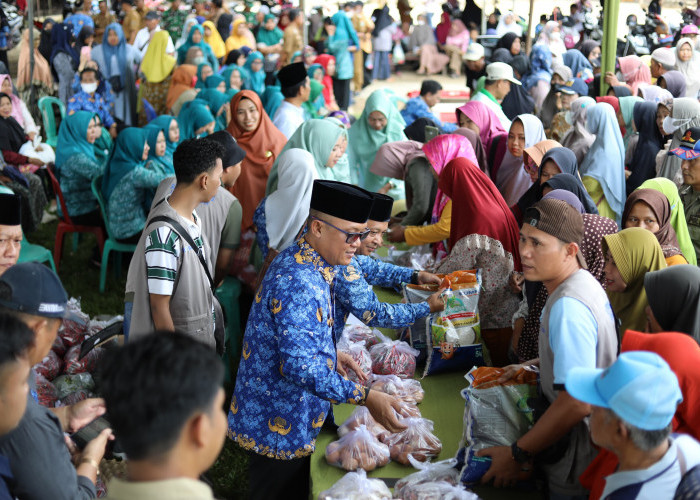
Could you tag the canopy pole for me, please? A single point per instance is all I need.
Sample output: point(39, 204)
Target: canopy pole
point(30, 27)
point(609, 45)
point(530, 34)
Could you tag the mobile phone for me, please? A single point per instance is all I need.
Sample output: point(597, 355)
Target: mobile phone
point(431, 133)
point(82, 437)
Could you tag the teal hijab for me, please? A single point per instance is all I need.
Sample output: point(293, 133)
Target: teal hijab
point(163, 122)
point(127, 155)
point(72, 138)
point(201, 84)
point(194, 115)
point(627, 110)
point(216, 100)
point(318, 138)
point(206, 49)
point(254, 81)
point(271, 99)
point(158, 163)
point(364, 142)
point(214, 81)
point(313, 68)
point(230, 92)
point(269, 37)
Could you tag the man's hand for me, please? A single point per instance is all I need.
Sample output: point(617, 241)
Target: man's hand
point(515, 282)
point(611, 79)
point(437, 301)
point(95, 449)
point(383, 409)
point(504, 471)
point(426, 278)
point(396, 233)
point(82, 413)
point(345, 363)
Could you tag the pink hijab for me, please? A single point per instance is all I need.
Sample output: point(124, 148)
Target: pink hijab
point(441, 151)
point(16, 103)
point(484, 118)
point(634, 71)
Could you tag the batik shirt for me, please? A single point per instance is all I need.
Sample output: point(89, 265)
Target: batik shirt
point(354, 294)
point(417, 108)
point(287, 377)
point(95, 103)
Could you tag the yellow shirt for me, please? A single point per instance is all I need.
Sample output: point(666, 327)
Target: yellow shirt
point(170, 489)
point(420, 235)
point(675, 260)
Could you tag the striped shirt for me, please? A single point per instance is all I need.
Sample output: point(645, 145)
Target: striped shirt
point(163, 247)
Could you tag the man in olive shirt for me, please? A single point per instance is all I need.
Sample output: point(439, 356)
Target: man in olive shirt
point(689, 151)
point(292, 41)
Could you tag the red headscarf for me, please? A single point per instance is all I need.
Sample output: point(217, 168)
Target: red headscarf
point(443, 29)
point(615, 103)
point(262, 147)
point(478, 207)
point(324, 60)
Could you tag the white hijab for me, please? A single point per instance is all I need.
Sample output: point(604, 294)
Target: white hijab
point(511, 179)
point(690, 69)
point(513, 27)
point(287, 209)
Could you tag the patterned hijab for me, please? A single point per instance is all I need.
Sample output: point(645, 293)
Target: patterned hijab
point(662, 211)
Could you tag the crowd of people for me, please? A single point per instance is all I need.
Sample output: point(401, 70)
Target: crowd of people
point(223, 149)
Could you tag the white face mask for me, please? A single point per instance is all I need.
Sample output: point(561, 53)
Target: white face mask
point(89, 87)
point(670, 124)
point(198, 60)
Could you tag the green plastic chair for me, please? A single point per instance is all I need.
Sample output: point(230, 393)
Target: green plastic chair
point(46, 104)
point(228, 294)
point(30, 252)
point(111, 244)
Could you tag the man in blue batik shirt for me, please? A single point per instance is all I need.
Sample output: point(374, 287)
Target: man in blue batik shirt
point(419, 107)
point(353, 284)
point(290, 372)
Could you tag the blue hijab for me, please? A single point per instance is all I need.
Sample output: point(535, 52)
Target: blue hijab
point(344, 29)
point(540, 67)
point(215, 100)
point(72, 138)
point(163, 122)
point(254, 81)
point(193, 116)
point(163, 163)
point(580, 66)
point(127, 155)
point(605, 160)
point(119, 51)
point(61, 39)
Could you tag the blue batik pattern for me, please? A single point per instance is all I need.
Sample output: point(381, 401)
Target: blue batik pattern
point(287, 377)
point(354, 294)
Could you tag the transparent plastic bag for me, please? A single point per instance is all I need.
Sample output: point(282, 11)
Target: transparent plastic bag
point(67, 384)
point(408, 390)
point(361, 333)
point(360, 354)
point(358, 449)
point(417, 440)
point(50, 366)
point(86, 364)
point(362, 416)
point(393, 357)
point(439, 490)
point(75, 324)
point(47, 394)
point(357, 486)
point(444, 471)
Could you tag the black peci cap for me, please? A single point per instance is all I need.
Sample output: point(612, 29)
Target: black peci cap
point(10, 210)
point(292, 74)
point(341, 200)
point(381, 207)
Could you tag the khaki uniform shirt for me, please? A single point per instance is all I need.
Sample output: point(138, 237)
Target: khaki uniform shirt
point(170, 489)
point(291, 43)
point(691, 203)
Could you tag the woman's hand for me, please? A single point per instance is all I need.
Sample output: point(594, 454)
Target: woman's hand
point(611, 79)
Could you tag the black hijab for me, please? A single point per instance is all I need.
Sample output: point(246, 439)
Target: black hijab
point(416, 130)
point(381, 19)
point(11, 133)
point(673, 298)
point(621, 91)
point(572, 184)
point(45, 38)
point(506, 41)
point(650, 142)
point(517, 102)
point(587, 47)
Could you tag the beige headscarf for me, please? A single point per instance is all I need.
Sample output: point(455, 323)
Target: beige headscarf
point(42, 71)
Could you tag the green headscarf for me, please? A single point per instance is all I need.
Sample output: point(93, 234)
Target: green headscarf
point(230, 92)
point(310, 104)
point(318, 138)
point(127, 155)
point(201, 83)
point(269, 37)
point(627, 110)
point(103, 147)
point(206, 49)
point(72, 138)
point(636, 252)
point(678, 222)
point(163, 121)
point(193, 116)
point(215, 100)
point(213, 81)
point(158, 163)
point(364, 142)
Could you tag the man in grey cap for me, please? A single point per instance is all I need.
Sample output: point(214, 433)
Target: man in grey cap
point(499, 77)
point(145, 34)
point(662, 60)
point(577, 330)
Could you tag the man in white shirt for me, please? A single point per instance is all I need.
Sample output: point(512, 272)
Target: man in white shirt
point(295, 87)
point(634, 401)
point(499, 77)
point(144, 35)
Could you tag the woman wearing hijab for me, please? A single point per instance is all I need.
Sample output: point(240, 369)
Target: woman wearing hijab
point(379, 123)
point(204, 71)
point(314, 104)
point(602, 169)
point(508, 24)
point(158, 158)
point(629, 138)
point(240, 36)
point(477, 146)
point(327, 61)
point(213, 39)
point(422, 40)
point(551, 37)
point(233, 78)
point(578, 139)
point(488, 243)
point(117, 60)
point(650, 210)
point(552, 101)
point(510, 177)
point(511, 42)
point(518, 101)
point(685, 114)
point(456, 44)
point(19, 110)
point(42, 80)
point(439, 152)
point(571, 183)
point(280, 217)
point(538, 81)
point(674, 82)
point(643, 164)
point(532, 158)
point(184, 35)
point(269, 37)
point(64, 59)
point(157, 69)
point(195, 120)
point(657, 95)
point(181, 83)
point(218, 105)
point(77, 166)
point(677, 217)
point(45, 45)
point(254, 73)
point(262, 142)
point(580, 66)
point(382, 42)
point(13, 139)
point(481, 119)
point(688, 63)
point(342, 41)
point(195, 38)
point(634, 72)
point(129, 183)
point(673, 296)
point(168, 124)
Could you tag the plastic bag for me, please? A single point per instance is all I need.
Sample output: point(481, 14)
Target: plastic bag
point(59, 347)
point(357, 486)
point(439, 490)
point(362, 416)
point(67, 384)
point(393, 357)
point(357, 449)
point(47, 394)
point(444, 471)
point(87, 364)
point(74, 397)
point(496, 414)
point(407, 390)
point(361, 333)
point(360, 354)
point(417, 440)
point(50, 366)
point(75, 324)
point(398, 55)
point(408, 411)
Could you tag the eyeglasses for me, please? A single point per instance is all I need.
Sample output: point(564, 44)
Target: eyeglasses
point(349, 237)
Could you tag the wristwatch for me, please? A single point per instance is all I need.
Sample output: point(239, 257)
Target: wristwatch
point(519, 455)
point(414, 278)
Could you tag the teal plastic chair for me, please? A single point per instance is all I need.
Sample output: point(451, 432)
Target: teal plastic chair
point(29, 252)
point(228, 294)
point(111, 244)
point(46, 105)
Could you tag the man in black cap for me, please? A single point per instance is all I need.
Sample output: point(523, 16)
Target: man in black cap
point(10, 230)
point(353, 286)
point(290, 371)
point(36, 449)
point(145, 34)
point(295, 87)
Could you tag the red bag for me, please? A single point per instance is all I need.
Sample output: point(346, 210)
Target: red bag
point(46, 392)
point(87, 364)
point(50, 366)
